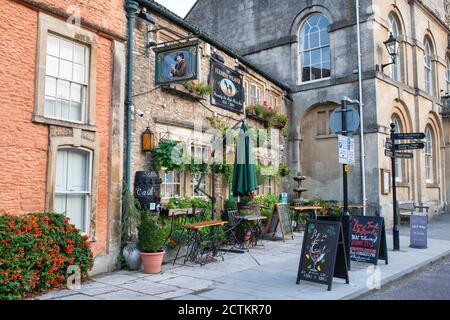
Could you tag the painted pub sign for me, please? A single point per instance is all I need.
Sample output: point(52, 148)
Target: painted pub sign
point(228, 90)
point(176, 63)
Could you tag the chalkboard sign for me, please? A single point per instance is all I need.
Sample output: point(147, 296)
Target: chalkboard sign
point(280, 216)
point(147, 189)
point(418, 232)
point(323, 253)
point(368, 240)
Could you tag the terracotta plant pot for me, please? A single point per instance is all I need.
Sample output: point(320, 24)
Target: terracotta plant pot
point(152, 262)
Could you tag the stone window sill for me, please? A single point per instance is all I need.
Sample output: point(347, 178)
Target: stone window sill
point(402, 184)
point(433, 185)
point(62, 123)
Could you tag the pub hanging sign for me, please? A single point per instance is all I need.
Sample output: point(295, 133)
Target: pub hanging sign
point(228, 90)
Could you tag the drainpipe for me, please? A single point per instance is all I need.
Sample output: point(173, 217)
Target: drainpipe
point(363, 148)
point(131, 8)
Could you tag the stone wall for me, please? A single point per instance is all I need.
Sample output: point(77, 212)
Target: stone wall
point(172, 114)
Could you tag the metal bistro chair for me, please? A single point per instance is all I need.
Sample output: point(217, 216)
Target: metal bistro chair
point(183, 236)
point(235, 229)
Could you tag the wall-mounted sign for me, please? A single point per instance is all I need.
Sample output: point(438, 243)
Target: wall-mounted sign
point(385, 181)
point(176, 63)
point(228, 91)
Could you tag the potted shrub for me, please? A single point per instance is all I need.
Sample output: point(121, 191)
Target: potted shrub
point(151, 240)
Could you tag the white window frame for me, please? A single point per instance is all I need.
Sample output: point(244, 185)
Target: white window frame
point(394, 28)
point(86, 193)
point(58, 27)
point(165, 184)
point(84, 84)
point(309, 50)
point(428, 67)
point(429, 155)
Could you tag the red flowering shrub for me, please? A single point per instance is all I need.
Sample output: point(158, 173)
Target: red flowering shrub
point(35, 252)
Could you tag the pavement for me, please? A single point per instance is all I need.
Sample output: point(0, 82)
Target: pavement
point(267, 273)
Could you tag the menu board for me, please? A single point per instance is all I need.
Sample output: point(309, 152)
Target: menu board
point(368, 239)
point(280, 216)
point(323, 255)
point(418, 232)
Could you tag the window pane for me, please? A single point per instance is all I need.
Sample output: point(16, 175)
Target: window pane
point(75, 210)
point(324, 39)
point(66, 50)
point(53, 46)
point(65, 70)
point(52, 66)
point(306, 59)
point(326, 70)
point(62, 109)
point(78, 54)
point(50, 86)
point(305, 42)
point(79, 73)
point(75, 111)
point(76, 92)
point(323, 23)
point(325, 54)
point(316, 72)
point(314, 39)
point(63, 89)
point(314, 20)
point(306, 73)
point(50, 105)
point(315, 56)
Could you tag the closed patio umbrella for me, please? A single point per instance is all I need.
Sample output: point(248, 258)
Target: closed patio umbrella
point(244, 175)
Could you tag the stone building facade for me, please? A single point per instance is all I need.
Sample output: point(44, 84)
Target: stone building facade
point(61, 136)
point(174, 113)
point(311, 45)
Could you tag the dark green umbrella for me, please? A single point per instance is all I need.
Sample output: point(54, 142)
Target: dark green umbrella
point(244, 175)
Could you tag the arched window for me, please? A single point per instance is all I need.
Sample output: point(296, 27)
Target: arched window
point(429, 155)
point(315, 49)
point(428, 67)
point(399, 163)
point(447, 73)
point(396, 32)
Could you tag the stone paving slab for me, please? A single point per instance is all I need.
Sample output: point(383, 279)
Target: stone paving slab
point(267, 273)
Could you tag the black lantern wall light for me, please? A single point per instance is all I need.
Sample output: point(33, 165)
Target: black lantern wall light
point(392, 45)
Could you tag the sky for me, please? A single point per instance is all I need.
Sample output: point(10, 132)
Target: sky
point(180, 7)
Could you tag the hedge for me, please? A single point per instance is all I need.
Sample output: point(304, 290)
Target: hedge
point(35, 251)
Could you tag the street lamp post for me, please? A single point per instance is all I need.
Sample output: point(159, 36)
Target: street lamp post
point(392, 45)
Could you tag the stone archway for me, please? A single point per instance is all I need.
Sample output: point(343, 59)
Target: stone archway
point(319, 153)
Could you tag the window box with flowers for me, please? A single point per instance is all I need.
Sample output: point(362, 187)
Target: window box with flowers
point(191, 89)
point(271, 118)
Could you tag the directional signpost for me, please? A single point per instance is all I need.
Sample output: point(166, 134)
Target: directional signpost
point(409, 146)
point(392, 150)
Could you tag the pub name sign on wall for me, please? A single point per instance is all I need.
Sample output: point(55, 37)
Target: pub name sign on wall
point(228, 91)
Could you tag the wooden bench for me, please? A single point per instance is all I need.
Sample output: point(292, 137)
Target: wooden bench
point(406, 208)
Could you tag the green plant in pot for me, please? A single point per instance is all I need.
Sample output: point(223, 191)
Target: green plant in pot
point(151, 240)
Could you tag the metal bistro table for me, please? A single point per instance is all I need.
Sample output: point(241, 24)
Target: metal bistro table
point(195, 252)
point(310, 210)
point(257, 233)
